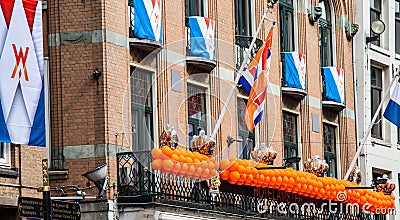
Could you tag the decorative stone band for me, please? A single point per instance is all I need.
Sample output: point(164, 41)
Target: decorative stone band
point(81, 37)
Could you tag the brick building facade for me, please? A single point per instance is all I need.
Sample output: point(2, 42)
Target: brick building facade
point(145, 85)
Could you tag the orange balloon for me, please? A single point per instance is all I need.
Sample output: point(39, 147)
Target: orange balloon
point(184, 169)
point(182, 158)
point(190, 154)
point(157, 153)
point(224, 164)
point(189, 160)
point(191, 170)
point(167, 151)
point(241, 169)
point(177, 167)
point(285, 179)
point(157, 164)
point(224, 175)
point(234, 166)
point(250, 178)
point(196, 161)
point(168, 165)
point(234, 176)
point(175, 157)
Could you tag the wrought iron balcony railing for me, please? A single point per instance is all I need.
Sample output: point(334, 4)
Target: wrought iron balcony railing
point(242, 44)
point(139, 184)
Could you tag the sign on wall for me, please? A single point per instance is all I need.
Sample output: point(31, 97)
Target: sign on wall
point(22, 112)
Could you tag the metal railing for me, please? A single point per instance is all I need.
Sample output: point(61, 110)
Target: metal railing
point(139, 184)
point(131, 18)
point(242, 44)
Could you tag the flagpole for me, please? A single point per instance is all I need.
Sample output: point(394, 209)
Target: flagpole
point(239, 74)
point(377, 112)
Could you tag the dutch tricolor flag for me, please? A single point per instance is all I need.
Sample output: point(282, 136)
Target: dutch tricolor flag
point(392, 112)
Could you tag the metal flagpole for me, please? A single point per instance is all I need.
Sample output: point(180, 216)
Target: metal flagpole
point(353, 162)
point(228, 99)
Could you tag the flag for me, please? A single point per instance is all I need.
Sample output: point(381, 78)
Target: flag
point(147, 19)
point(295, 70)
point(334, 84)
point(202, 37)
point(254, 80)
point(392, 111)
point(22, 118)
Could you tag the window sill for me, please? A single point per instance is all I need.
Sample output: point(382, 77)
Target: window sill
point(397, 56)
point(8, 172)
point(380, 50)
point(380, 142)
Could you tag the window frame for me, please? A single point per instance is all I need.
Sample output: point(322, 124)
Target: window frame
point(250, 19)
point(5, 159)
point(326, 25)
point(329, 154)
point(248, 137)
point(372, 98)
point(397, 27)
point(288, 147)
point(285, 8)
point(144, 111)
point(376, 11)
point(202, 12)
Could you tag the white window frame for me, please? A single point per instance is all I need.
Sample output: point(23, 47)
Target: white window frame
point(6, 160)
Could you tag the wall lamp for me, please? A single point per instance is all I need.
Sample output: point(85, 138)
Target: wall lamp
point(230, 140)
point(377, 27)
point(96, 74)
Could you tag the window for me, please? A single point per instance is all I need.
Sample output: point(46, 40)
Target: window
point(290, 136)
point(243, 17)
point(325, 35)
point(142, 110)
point(5, 154)
point(195, 8)
point(376, 98)
point(397, 24)
point(375, 14)
point(286, 25)
point(197, 119)
point(247, 145)
point(330, 149)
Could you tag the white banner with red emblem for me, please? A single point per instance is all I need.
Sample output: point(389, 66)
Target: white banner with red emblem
point(22, 112)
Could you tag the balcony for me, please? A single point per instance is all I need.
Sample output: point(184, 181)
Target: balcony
point(294, 74)
point(333, 95)
point(139, 184)
point(242, 44)
point(144, 33)
point(200, 43)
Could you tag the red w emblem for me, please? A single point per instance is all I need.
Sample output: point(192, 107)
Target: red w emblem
point(20, 56)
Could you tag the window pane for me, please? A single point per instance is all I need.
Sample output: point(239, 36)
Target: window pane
point(326, 44)
point(376, 4)
point(194, 8)
point(241, 105)
point(397, 40)
point(329, 139)
point(287, 27)
point(243, 18)
point(289, 128)
point(141, 91)
point(330, 149)
point(197, 119)
point(141, 110)
point(376, 97)
point(2, 150)
point(326, 11)
point(397, 8)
